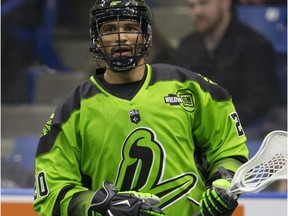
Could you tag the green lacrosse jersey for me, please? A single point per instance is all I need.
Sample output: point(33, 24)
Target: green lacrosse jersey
point(149, 142)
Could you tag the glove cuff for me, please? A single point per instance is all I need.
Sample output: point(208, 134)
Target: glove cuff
point(101, 199)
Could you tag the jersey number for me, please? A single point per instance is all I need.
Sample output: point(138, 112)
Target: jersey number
point(42, 184)
point(238, 125)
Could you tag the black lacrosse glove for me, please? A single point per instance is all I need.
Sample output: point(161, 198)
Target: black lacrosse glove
point(216, 201)
point(107, 201)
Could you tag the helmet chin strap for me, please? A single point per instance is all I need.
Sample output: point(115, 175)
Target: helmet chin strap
point(124, 64)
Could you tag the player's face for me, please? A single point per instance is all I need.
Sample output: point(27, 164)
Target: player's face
point(120, 38)
point(206, 14)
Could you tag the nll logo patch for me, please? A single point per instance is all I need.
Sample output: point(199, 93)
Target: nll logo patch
point(134, 116)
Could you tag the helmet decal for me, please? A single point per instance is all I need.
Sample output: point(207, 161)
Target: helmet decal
point(114, 3)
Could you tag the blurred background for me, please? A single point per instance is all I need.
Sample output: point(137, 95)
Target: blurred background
point(44, 54)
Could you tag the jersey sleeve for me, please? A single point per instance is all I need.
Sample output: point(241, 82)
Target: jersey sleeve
point(218, 131)
point(59, 188)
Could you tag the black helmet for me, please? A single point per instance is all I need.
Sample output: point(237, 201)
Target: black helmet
point(107, 10)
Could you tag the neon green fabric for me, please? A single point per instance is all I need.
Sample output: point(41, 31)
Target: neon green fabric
point(145, 144)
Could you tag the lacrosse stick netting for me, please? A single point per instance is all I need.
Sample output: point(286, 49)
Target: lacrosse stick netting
point(269, 164)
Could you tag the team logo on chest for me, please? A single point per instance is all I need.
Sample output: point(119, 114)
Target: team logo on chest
point(134, 116)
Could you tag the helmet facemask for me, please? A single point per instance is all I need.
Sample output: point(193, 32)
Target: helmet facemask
point(116, 54)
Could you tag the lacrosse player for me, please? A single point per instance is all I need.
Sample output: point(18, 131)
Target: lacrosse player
point(137, 139)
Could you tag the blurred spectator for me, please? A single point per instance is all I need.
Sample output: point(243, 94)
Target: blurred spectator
point(232, 54)
point(17, 53)
point(161, 50)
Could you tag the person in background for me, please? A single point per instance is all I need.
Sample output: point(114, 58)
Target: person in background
point(130, 140)
point(161, 51)
point(233, 55)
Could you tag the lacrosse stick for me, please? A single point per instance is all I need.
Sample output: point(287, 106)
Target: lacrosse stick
point(268, 165)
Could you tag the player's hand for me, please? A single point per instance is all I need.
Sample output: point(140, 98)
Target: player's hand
point(107, 201)
point(217, 201)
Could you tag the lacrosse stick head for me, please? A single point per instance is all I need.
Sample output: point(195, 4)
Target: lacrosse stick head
point(266, 166)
